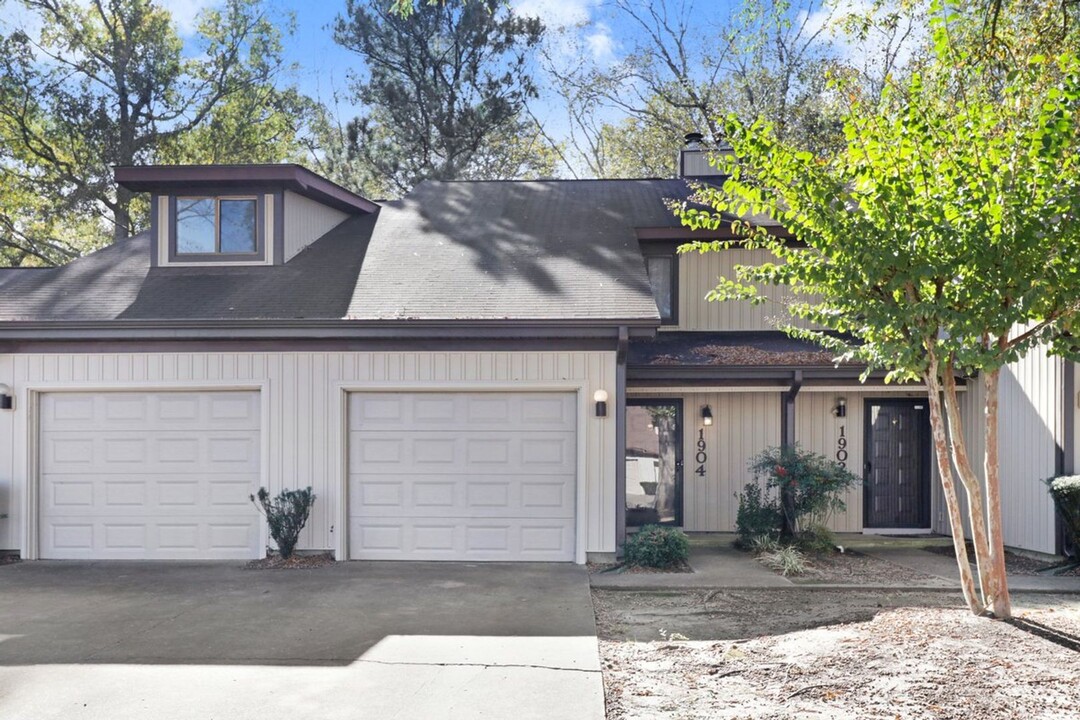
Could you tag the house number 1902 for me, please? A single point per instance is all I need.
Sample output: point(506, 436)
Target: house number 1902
point(841, 448)
point(701, 457)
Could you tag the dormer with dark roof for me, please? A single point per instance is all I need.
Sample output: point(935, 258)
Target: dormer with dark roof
point(238, 214)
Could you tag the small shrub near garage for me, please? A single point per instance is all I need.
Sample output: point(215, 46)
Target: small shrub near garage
point(286, 514)
point(1066, 494)
point(656, 546)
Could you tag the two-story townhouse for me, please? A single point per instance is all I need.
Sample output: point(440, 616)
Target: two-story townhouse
point(480, 371)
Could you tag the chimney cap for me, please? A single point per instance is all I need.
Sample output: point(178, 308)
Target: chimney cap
point(693, 139)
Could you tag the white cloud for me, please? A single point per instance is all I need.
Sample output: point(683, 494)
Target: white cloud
point(186, 13)
point(556, 13)
point(867, 53)
point(601, 44)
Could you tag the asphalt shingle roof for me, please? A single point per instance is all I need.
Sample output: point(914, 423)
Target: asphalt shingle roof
point(543, 250)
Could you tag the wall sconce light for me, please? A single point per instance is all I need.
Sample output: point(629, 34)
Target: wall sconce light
point(6, 400)
point(841, 408)
point(600, 398)
point(706, 416)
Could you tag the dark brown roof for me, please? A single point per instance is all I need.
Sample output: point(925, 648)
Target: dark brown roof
point(533, 250)
point(727, 349)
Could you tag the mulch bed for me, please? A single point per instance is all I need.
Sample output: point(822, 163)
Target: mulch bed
point(1015, 564)
point(851, 654)
point(854, 568)
point(619, 568)
point(296, 562)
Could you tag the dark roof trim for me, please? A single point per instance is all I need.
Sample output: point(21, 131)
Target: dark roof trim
point(685, 234)
point(165, 178)
point(418, 344)
point(318, 329)
point(780, 376)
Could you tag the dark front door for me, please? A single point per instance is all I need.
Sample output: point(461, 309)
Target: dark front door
point(653, 462)
point(897, 464)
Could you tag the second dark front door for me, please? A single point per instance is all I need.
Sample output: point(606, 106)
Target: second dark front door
point(897, 464)
point(653, 462)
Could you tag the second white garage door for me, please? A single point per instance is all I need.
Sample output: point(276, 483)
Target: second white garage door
point(462, 476)
point(149, 475)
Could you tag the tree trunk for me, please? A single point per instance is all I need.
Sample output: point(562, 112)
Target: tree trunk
point(122, 214)
point(972, 484)
point(1001, 603)
point(948, 485)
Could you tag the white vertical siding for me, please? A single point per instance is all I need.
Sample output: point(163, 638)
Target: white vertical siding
point(303, 396)
point(306, 220)
point(1029, 431)
point(1029, 426)
point(699, 274)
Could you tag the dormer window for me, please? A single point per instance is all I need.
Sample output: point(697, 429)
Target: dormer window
point(662, 268)
point(217, 226)
point(236, 215)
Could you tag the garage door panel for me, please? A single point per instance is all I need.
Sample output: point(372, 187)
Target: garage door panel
point(118, 538)
point(151, 411)
point(95, 452)
point(447, 412)
point(495, 539)
point(163, 475)
point(378, 496)
point(462, 476)
point(477, 453)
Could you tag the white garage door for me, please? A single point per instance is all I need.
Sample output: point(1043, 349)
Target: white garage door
point(462, 476)
point(162, 475)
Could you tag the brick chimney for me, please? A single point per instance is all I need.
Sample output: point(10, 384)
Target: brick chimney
point(695, 155)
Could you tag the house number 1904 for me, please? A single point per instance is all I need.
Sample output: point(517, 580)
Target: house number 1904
point(841, 448)
point(701, 457)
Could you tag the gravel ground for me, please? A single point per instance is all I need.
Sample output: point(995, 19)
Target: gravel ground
point(861, 655)
point(1015, 564)
point(296, 562)
point(855, 568)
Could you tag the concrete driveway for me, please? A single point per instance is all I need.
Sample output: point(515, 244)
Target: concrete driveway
point(354, 640)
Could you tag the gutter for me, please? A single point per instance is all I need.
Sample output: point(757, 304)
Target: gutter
point(320, 329)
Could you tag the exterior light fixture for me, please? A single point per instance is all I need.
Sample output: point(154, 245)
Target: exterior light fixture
point(6, 400)
point(706, 416)
point(600, 398)
point(841, 408)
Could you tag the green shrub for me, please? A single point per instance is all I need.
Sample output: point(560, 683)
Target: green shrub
point(1066, 494)
point(758, 515)
point(817, 538)
point(656, 546)
point(787, 560)
point(286, 515)
point(808, 485)
point(763, 544)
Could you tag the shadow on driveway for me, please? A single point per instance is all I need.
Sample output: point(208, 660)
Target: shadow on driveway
point(221, 614)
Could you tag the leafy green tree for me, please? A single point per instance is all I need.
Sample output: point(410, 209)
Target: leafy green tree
point(444, 90)
point(109, 82)
point(940, 241)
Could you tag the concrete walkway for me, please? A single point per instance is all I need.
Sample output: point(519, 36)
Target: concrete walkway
point(201, 641)
point(717, 564)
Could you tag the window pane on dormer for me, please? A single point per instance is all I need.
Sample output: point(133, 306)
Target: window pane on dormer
point(195, 225)
point(659, 269)
point(238, 226)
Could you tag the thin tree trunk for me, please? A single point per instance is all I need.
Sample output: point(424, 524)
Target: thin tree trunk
point(948, 485)
point(1002, 604)
point(971, 482)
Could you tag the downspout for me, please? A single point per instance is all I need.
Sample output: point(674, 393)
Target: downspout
point(787, 441)
point(620, 439)
point(1065, 458)
point(787, 416)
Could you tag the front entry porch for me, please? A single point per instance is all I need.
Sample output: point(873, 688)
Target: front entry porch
point(696, 417)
